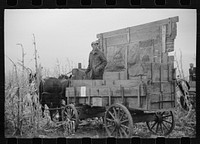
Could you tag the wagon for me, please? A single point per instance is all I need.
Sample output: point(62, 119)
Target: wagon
point(138, 84)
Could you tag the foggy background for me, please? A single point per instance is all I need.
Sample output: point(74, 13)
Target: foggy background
point(65, 35)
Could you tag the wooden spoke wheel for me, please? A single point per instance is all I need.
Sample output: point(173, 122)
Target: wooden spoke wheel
point(55, 116)
point(163, 123)
point(118, 121)
point(71, 113)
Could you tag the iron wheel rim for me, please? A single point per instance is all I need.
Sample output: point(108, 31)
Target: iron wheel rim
point(163, 124)
point(118, 121)
point(71, 113)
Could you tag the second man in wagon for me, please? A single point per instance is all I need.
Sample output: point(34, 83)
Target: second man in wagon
point(97, 62)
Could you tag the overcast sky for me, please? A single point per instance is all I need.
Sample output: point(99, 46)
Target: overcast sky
point(67, 33)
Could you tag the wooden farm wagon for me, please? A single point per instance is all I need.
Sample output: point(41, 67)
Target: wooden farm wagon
point(138, 83)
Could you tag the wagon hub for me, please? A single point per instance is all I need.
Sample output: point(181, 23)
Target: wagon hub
point(117, 123)
point(159, 118)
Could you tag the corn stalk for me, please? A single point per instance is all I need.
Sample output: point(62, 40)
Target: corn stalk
point(181, 64)
point(177, 65)
point(22, 81)
point(38, 77)
point(18, 127)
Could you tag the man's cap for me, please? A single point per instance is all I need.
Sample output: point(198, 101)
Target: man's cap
point(95, 42)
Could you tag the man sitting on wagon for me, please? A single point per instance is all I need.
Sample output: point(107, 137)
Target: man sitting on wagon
point(97, 62)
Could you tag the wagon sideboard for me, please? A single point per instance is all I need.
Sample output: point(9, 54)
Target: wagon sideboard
point(132, 93)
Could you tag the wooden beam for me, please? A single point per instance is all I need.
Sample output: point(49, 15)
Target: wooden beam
point(138, 27)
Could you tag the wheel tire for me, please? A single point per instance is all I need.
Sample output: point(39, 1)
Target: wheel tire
point(71, 113)
point(118, 121)
point(163, 124)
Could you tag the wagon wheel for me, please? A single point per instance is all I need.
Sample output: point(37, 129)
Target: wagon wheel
point(118, 121)
point(71, 113)
point(55, 116)
point(163, 123)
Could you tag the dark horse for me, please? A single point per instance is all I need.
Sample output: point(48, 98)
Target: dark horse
point(50, 93)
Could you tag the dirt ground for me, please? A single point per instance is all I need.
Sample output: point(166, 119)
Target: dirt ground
point(94, 129)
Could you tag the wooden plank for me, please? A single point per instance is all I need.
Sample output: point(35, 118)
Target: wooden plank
point(111, 75)
point(138, 27)
point(144, 34)
point(157, 50)
point(81, 100)
point(80, 93)
point(133, 54)
point(78, 83)
point(143, 103)
point(147, 70)
point(172, 30)
point(138, 95)
point(117, 40)
point(171, 59)
point(101, 43)
point(154, 98)
point(146, 51)
point(110, 96)
point(132, 102)
point(116, 58)
point(153, 88)
point(164, 72)
point(116, 100)
point(98, 82)
point(126, 64)
point(105, 47)
point(167, 102)
point(136, 70)
point(170, 72)
point(165, 58)
point(88, 99)
point(94, 91)
point(69, 92)
point(123, 75)
point(115, 32)
point(163, 33)
point(116, 91)
point(155, 23)
point(156, 72)
point(169, 45)
point(130, 91)
point(104, 91)
point(126, 83)
point(109, 82)
point(166, 87)
point(97, 101)
point(134, 78)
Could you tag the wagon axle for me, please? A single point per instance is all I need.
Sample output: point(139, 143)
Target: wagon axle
point(117, 123)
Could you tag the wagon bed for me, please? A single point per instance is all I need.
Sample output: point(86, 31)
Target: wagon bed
point(134, 94)
point(138, 83)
